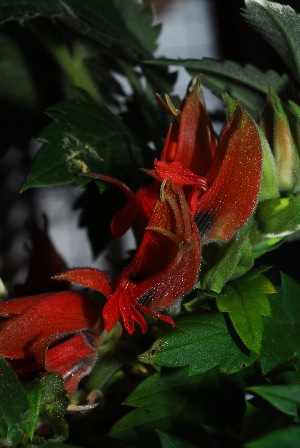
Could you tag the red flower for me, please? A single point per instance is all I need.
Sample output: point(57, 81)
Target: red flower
point(197, 180)
point(51, 332)
point(231, 167)
point(164, 268)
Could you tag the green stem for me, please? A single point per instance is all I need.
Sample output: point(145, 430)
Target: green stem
point(73, 64)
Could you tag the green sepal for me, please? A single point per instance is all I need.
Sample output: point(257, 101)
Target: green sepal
point(278, 218)
point(224, 262)
point(276, 122)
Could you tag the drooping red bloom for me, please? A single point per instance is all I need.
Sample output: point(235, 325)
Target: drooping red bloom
point(51, 332)
point(200, 187)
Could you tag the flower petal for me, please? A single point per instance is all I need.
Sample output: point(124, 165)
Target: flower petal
point(136, 212)
point(233, 181)
point(49, 318)
point(191, 140)
point(164, 268)
point(88, 278)
point(73, 359)
point(19, 305)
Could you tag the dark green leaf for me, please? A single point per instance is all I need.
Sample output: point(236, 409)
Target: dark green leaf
point(33, 391)
point(14, 407)
point(84, 137)
point(246, 302)
point(285, 398)
point(200, 342)
point(246, 84)
point(139, 21)
point(170, 441)
point(129, 27)
point(281, 337)
point(173, 402)
point(280, 26)
point(284, 438)
point(54, 403)
point(28, 9)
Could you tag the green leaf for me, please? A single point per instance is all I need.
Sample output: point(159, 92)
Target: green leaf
point(281, 337)
point(33, 391)
point(160, 399)
point(175, 403)
point(246, 302)
point(112, 23)
point(279, 217)
point(284, 438)
point(28, 9)
point(127, 29)
point(248, 84)
point(14, 407)
point(139, 21)
point(53, 406)
point(280, 26)
point(285, 398)
point(200, 342)
point(84, 137)
point(222, 262)
point(170, 441)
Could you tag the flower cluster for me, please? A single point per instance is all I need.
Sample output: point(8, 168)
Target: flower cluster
point(203, 190)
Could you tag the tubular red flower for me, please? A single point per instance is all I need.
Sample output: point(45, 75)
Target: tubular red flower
point(164, 268)
point(51, 332)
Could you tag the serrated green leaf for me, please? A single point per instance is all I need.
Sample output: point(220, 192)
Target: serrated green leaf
point(139, 21)
point(248, 84)
point(283, 438)
point(127, 28)
point(200, 342)
point(28, 9)
point(84, 137)
point(279, 217)
point(280, 26)
point(117, 23)
point(281, 336)
point(246, 302)
point(285, 398)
